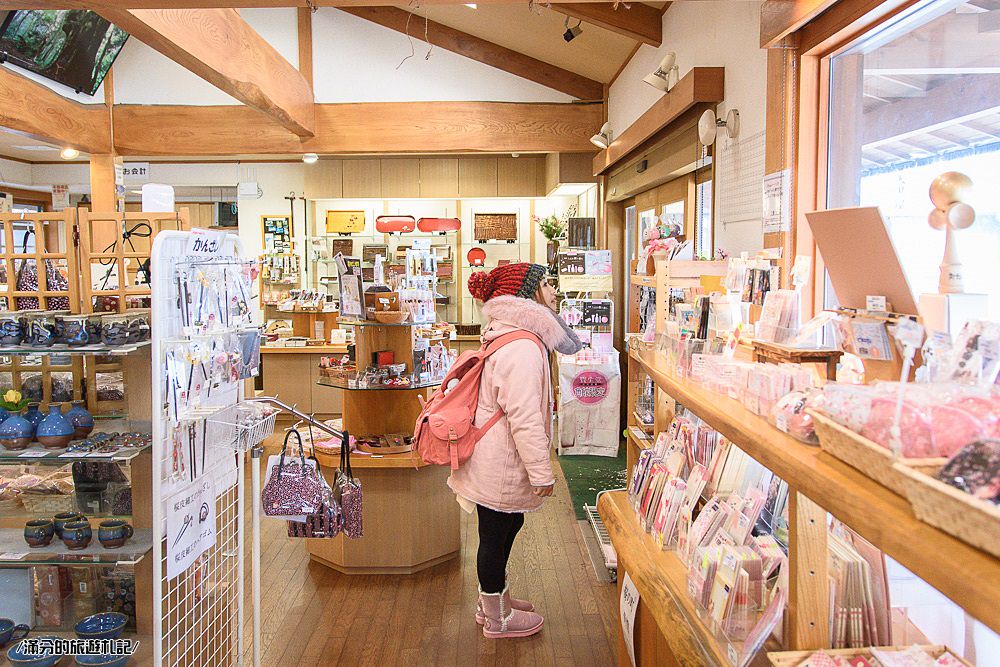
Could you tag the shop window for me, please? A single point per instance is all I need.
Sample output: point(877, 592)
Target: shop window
point(915, 98)
point(918, 96)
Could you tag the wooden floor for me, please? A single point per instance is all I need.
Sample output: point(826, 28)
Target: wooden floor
point(315, 616)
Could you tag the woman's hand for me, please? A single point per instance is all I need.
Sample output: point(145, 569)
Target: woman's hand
point(543, 491)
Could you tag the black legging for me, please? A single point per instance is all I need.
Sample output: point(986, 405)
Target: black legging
point(497, 531)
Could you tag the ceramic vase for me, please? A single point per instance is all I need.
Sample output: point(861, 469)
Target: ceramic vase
point(3, 415)
point(34, 416)
point(16, 432)
point(81, 419)
point(55, 431)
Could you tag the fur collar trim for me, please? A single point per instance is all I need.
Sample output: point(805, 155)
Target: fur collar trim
point(525, 314)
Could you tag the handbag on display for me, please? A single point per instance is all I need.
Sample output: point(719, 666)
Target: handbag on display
point(294, 488)
point(325, 522)
point(347, 490)
point(27, 281)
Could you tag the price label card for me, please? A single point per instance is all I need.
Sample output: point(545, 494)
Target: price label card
point(33, 454)
point(875, 304)
point(12, 555)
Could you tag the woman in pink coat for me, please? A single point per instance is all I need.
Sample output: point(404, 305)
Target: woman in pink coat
point(509, 472)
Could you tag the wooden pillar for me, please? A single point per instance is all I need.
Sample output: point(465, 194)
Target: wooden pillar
point(305, 44)
point(781, 135)
point(103, 195)
point(808, 595)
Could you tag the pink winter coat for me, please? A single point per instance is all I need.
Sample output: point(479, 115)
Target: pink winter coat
point(513, 456)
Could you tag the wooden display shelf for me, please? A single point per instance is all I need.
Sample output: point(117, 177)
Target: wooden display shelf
point(308, 349)
point(377, 461)
point(661, 579)
point(966, 575)
point(411, 519)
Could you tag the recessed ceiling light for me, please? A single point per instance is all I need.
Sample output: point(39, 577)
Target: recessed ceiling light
point(69, 154)
point(310, 158)
point(471, 5)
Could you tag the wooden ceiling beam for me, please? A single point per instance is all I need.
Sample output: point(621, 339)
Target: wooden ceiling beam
point(636, 21)
point(476, 48)
point(222, 48)
point(227, 4)
point(780, 18)
point(35, 111)
point(953, 101)
point(700, 85)
point(376, 127)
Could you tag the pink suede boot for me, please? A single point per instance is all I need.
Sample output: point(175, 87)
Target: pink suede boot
point(515, 603)
point(503, 621)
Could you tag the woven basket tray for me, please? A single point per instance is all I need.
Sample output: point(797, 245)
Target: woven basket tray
point(794, 658)
point(974, 521)
point(38, 503)
point(862, 454)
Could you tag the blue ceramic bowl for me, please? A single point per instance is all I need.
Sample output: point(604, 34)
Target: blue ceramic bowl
point(102, 660)
point(106, 625)
point(20, 659)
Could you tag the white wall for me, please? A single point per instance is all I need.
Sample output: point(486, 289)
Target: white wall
point(714, 33)
point(354, 60)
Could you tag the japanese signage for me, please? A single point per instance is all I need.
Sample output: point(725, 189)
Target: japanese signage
point(190, 525)
point(585, 271)
point(136, 172)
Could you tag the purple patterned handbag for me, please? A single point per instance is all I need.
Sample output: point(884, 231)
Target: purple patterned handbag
point(326, 522)
point(347, 489)
point(294, 488)
point(27, 281)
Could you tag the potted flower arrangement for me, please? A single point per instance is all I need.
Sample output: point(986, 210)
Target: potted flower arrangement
point(552, 228)
point(16, 432)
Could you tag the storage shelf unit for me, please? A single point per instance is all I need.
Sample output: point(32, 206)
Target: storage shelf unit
point(963, 573)
point(25, 350)
point(16, 552)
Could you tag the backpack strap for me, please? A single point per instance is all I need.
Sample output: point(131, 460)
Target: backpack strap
point(494, 345)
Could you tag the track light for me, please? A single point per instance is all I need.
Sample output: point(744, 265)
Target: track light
point(665, 76)
point(69, 154)
point(603, 138)
point(310, 158)
point(572, 33)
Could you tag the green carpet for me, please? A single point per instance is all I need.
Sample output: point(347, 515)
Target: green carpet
point(586, 475)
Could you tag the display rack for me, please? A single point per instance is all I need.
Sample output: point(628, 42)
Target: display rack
point(818, 484)
point(410, 517)
point(198, 614)
point(43, 242)
point(114, 249)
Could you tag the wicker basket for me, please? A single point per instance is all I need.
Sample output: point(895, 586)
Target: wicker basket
point(794, 658)
point(862, 454)
point(38, 503)
point(974, 521)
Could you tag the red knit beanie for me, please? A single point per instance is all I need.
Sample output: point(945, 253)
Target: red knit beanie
point(520, 280)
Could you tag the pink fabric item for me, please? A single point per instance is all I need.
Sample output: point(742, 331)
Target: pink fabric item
point(513, 456)
point(914, 428)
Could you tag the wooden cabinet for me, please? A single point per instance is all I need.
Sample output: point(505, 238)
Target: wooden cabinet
point(325, 180)
point(439, 177)
point(477, 176)
point(400, 177)
point(362, 179)
point(521, 176)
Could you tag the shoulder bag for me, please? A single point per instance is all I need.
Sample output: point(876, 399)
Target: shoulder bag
point(293, 488)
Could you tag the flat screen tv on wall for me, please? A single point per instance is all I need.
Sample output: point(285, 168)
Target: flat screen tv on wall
point(74, 47)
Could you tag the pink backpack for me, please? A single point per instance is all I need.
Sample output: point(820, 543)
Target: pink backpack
point(444, 433)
